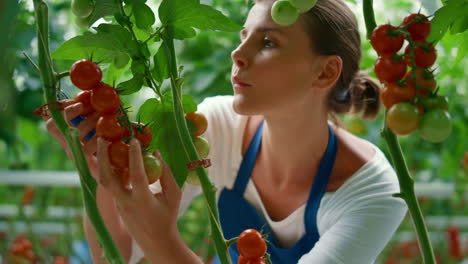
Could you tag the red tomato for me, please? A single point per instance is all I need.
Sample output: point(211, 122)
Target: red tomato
point(109, 128)
point(84, 74)
point(28, 195)
point(142, 133)
point(425, 80)
point(385, 40)
point(105, 99)
point(425, 55)
point(418, 26)
point(390, 68)
point(403, 118)
point(389, 98)
point(405, 93)
point(200, 122)
point(84, 97)
point(250, 244)
point(455, 248)
point(123, 174)
point(118, 154)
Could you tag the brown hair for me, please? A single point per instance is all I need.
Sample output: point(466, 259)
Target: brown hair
point(337, 28)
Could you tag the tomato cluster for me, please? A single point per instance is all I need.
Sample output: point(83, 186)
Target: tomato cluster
point(410, 93)
point(21, 251)
point(113, 124)
point(252, 247)
point(203, 147)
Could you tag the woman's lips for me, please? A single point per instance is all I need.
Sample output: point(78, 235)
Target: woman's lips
point(239, 84)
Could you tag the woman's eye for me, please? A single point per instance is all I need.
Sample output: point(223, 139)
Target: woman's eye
point(268, 42)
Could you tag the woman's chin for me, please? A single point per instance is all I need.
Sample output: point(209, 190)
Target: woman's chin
point(244, 106)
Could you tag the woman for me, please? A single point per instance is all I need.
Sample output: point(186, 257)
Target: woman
point(323, 194)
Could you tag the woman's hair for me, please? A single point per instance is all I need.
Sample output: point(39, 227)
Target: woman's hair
point(333, 30)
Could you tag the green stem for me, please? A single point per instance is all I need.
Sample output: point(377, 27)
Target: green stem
point(406, 182)
point(50, 81)
point(191, 152)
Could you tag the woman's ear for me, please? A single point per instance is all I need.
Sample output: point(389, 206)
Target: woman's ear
point(330, 72)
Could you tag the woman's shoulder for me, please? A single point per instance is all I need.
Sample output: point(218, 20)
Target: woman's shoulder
point(358, 158)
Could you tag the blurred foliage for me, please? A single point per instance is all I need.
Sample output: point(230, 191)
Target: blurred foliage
point(25, 144)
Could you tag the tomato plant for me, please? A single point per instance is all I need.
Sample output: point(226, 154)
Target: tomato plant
point(200, 122)
point(118, 154)
point(284, 13)
point(85, 74)
point(436, 126)
point(153, 167)
point(425, 55)
point(109, 128)
point(82, 8)
point(425, 80)
point(142, 133)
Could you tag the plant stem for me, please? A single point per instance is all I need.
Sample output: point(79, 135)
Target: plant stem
point(191, 152)
point(50, 81)
point(406, 182)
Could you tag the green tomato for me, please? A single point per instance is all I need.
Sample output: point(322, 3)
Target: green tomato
point(202, 146)
point(403, 118)
point(303, 5)
point(192, 178)
point(153, 167)
point(82, 22)
point(284, 13)
point(435, 102)
point(121, 60)
point(82, 8)
point(436, 126)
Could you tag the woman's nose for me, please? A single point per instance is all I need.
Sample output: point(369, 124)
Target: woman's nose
point(238, 58)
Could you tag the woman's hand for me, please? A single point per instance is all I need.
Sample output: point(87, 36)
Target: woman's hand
point(71, 111)
point(151, 219)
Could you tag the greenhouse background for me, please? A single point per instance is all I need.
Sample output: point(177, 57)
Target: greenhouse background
point(40, 196)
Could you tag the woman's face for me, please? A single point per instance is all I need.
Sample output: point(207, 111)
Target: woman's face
point(277, 62)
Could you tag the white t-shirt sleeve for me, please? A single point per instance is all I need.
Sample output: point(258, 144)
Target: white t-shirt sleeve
point(214, 109)
point(357, 222)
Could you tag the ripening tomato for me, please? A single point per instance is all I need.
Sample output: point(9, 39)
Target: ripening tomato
point(123, 174)
point(389, 68)
point(251, 244)
point(200, 122)
point(118, 154)
point(105, 99)
point(109, 128)
point(425, 55)
point(385, 39)
point(436, 126)
point(418, 26)
point(85, 74)
point(435, 102)
point(403, 118)
point(424, 79)
point(84, 97)
point(153, 167)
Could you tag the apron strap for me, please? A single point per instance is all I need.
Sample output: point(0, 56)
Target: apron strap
point(248, 161)
point(320, 183)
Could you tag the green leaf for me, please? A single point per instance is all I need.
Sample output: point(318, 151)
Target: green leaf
point(444, 17)
point(166, 139)
point(189, 104)
point(131, 86)
point(463, 47)
point(144, 16)
point(190, 14)
point(181, 32)
point(103, 8)
point(161, 71)
point(138, 67)
point(460, 25)
point(104, 46)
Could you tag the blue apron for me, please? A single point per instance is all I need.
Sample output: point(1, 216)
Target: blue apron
point(236, 214)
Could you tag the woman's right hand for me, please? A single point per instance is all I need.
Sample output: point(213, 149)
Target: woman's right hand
point(72, 110)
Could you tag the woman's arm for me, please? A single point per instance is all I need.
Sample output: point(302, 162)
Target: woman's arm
point(114, 225)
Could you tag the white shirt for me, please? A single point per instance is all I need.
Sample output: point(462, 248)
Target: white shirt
point(355, 222)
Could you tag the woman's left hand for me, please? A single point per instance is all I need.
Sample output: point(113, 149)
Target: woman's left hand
point(151, 219)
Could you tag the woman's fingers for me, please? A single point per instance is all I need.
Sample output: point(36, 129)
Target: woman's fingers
point(170, 188)
point(136, 168)
point(105, 176)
